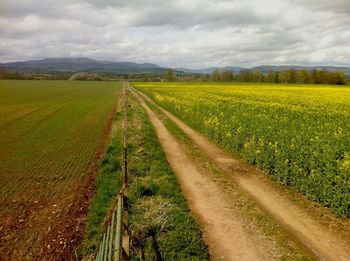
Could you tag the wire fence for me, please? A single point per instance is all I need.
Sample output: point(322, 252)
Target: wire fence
point(115, 244)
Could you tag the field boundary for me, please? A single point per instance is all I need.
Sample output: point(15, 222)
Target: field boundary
point(115, 244)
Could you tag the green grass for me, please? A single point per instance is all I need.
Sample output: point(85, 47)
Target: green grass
point(50, 133)
point(299, 134)
point(160, 221)
point(108, 184)
point(255, 219)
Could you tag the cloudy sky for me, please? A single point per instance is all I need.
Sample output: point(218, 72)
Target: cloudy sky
point(179, 33)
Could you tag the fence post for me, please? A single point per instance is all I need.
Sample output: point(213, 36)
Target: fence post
point(118, 235)
point(111, 237)
point(115, 244)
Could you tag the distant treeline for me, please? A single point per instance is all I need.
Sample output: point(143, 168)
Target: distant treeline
point(245, 75)
point(5, 74)
point(286, 76)
point(80, 76)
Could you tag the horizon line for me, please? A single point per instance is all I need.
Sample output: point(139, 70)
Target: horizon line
point(178, 67)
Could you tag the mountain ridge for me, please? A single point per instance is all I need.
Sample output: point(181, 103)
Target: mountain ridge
point(79, 64)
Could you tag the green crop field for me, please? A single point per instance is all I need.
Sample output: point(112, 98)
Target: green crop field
point(299, 134)
point(51, 133)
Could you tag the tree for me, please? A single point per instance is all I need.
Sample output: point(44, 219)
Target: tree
point(206, 78)
point(337, 78)
point(215, 76)
point(283, 77)
point(227, 76)
point(271, 76)
point(303, 76)
point(292, 76)
point(170, 75)
point(257, 76)
point(318, 76)
point(3, 73)
point(244, 75)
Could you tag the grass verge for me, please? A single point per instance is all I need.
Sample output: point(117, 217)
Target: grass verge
point(161, 223)
point(108, 184)
point(258, 223)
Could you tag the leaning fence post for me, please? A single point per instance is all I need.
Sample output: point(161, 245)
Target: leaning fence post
point(117, 243)
point(111, 237)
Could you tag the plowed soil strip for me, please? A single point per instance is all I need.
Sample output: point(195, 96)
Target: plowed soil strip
point(224, 234)
point(309, 231)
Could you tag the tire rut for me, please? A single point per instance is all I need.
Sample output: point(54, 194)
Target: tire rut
point(324, 243)
point(224, 233)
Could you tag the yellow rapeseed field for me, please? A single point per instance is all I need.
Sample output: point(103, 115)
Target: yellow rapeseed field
point(299, 134)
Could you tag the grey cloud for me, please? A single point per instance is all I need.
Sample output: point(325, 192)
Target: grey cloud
point(139, 4)
point(17, 8)
point(178, 33)
point(209, 19)
point(337, 6)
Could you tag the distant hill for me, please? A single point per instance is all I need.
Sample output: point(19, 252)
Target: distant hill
point(211, 69)
point(82, 64)
point(265, 68)
point(94, 66)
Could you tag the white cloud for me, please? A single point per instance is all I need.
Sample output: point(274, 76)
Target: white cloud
point(179, 33)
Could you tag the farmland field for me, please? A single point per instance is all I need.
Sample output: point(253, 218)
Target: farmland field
point(299, 134)
point(52, 134)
